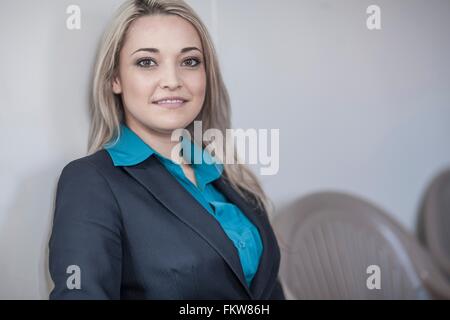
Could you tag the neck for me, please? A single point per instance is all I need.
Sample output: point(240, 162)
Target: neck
point(159, 141)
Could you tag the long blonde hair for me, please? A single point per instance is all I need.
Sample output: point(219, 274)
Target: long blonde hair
point(107, 111)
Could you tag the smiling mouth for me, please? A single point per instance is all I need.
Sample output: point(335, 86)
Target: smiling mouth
point(170, 104)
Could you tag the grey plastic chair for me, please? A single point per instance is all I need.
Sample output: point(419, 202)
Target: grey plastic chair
point(434, 223)
point(328, 241)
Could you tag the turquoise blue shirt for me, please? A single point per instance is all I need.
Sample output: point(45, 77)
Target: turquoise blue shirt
point(130, 150)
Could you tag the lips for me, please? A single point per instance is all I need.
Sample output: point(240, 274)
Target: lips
point(170, 100)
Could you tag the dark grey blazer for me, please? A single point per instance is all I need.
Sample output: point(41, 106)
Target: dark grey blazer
point(136, 233)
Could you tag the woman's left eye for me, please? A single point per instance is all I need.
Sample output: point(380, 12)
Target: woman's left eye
point(193, 62)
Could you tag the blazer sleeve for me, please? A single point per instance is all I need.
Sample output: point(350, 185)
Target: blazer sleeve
point(85, 243)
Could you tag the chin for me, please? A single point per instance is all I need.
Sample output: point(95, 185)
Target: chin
point(170, 125)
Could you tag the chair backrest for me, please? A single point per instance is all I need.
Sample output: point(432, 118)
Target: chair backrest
point(335, 245)
point(435, 217)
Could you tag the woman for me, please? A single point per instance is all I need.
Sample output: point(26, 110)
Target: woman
point(134, 221)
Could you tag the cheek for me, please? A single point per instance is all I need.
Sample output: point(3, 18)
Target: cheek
point(137, 89)
point(197, 85)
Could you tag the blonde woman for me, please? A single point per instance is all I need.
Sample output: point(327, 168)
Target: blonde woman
point(133, 221)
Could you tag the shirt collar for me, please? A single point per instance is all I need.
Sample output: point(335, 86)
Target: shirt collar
point(129, 150)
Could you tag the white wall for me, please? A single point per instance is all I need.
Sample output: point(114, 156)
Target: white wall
point(361, 111)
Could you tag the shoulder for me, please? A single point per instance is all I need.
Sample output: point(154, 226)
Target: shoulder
point(92, 167)
point(85, 184)
point(100, 161)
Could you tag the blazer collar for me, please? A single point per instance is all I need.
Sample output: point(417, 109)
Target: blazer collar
point(151, 173)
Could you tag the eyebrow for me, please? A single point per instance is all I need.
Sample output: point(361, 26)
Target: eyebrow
point(154, 50)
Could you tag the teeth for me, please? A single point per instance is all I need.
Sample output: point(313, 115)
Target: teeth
point(170, 101)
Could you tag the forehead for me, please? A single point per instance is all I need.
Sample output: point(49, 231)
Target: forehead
point(165, 32)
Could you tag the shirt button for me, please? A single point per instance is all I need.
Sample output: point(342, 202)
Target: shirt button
point(241, 244)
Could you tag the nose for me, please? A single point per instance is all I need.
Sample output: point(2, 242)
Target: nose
point(170, 78)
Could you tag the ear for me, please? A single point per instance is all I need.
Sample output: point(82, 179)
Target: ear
point(116, 85)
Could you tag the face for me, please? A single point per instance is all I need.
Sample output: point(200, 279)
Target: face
point(162, 57)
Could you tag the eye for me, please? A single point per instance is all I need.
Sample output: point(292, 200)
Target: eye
point(144, 63)
point(192, 62)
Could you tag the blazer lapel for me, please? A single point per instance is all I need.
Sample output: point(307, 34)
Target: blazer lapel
point(266, 272)
point(161, 184)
